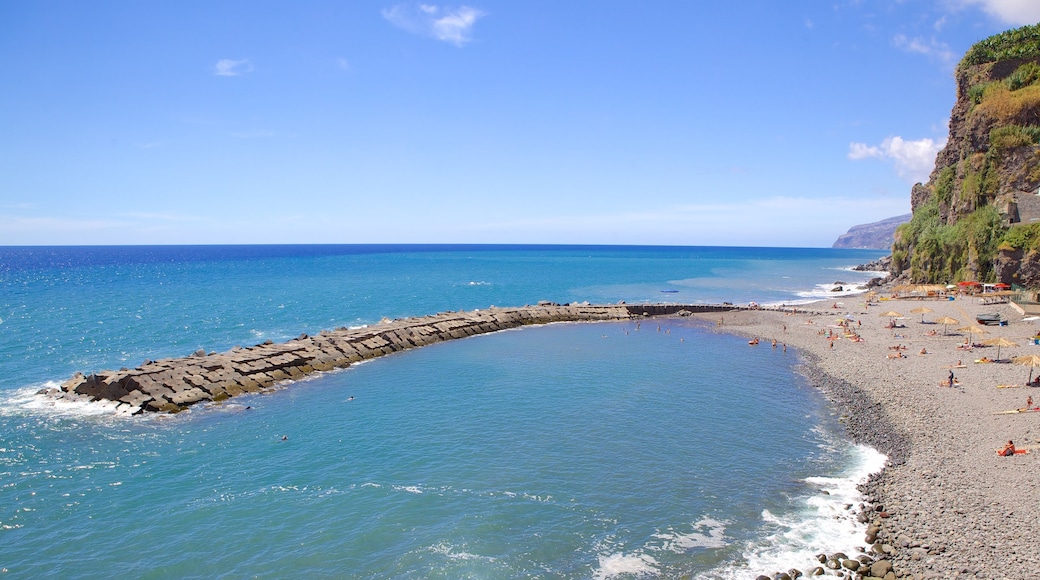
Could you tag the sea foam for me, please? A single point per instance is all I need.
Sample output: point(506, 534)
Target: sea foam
point(823, 524)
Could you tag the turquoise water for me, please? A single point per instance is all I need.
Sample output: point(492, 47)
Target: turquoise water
point(563, 451)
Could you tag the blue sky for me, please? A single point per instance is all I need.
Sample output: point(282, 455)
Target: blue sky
point(689, 123)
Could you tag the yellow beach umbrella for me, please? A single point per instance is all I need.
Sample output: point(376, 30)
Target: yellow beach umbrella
point(922, 310)
point(1030, 360)
point(972, 329)
point(946, 321)
point(999, 342)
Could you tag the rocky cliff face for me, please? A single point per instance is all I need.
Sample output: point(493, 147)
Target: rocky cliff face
point(978, 217)
point(878, 235)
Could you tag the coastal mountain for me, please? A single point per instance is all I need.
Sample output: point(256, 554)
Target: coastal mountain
point(978, 217)
point(878, 235)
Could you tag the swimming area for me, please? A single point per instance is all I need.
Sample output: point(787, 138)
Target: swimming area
point(596, 450)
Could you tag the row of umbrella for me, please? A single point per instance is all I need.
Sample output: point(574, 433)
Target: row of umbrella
point(945, 320)
point(1030, 360)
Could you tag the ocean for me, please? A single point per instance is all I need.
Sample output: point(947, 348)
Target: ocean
point(587, 450)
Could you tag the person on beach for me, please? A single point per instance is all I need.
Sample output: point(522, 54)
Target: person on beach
point(1008, 450)
point(951, 379)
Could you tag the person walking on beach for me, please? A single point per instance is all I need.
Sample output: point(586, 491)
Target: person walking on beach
point(951, 379)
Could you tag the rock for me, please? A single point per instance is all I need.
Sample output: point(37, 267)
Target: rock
point(880, 568)
point(850, 564)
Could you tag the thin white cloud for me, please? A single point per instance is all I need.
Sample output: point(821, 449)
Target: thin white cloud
point(1016, 12)
point(931, 48)
point(913, 160)
point(798, 221)
point(451, 25)
point(343, 64)
point(227, 67)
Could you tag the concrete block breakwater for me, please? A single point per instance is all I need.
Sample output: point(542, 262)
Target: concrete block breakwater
point(171, 385)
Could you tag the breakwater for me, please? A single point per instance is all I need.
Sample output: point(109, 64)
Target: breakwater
point(172, 385)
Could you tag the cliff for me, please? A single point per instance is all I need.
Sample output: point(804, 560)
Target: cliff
point(978, 217)
point(878, 235)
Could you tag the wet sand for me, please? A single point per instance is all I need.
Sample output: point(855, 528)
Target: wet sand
point(948, 504)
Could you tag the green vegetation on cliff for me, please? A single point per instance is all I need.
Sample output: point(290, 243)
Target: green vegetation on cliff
point(1020, 43)
point(943, 253)
point(984, 178)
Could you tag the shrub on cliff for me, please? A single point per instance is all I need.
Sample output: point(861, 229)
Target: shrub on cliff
point(1020, 43)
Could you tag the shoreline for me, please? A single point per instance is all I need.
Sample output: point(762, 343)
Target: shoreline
point(945, 505)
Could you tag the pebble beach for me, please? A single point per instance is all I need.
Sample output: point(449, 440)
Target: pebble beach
point(946, 505)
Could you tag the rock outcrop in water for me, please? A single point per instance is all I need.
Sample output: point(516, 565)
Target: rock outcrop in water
point(171, 385)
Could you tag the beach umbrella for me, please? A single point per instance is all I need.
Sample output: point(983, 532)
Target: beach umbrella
point(1030, 360)
point(968, 286)
point(891, 314)
point(999, 342)
point(972, 329)
point(922, 310)
point(945, 321)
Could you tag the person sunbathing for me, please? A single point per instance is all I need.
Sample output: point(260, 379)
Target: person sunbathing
point(1008, 450)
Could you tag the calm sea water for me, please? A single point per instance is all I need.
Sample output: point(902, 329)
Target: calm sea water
point(599, 450)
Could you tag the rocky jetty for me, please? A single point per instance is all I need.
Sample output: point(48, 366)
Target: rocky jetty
point(172, 385)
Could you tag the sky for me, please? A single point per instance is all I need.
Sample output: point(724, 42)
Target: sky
point(753, 123)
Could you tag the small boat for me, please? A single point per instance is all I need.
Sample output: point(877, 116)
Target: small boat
point(669, 291)
point(990, 318)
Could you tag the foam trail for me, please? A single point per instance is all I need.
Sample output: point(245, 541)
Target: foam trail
point(27, 400)
point(614, 565)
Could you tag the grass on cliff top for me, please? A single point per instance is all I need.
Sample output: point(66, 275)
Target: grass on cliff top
point(1011, 44)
